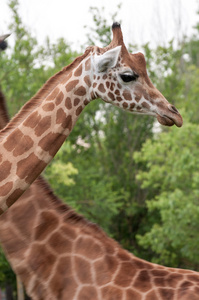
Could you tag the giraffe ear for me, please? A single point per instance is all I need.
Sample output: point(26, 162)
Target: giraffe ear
point(108, 59)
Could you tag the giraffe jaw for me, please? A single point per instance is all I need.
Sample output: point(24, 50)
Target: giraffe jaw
point(173, 117)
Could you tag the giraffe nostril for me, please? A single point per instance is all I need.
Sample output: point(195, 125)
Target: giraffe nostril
point(173, 109)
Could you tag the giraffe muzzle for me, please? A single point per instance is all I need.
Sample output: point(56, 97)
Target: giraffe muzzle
point(170, 117)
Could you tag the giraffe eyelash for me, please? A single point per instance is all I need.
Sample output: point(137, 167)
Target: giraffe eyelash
point(126, 77)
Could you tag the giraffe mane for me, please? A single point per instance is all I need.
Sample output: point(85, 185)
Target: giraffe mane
point(43, 92)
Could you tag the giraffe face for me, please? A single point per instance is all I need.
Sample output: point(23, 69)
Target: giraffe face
point(123, 81)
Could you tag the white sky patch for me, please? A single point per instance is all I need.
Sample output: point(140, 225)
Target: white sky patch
point(154, 21)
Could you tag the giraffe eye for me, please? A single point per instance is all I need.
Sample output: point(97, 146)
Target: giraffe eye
point(129, 77)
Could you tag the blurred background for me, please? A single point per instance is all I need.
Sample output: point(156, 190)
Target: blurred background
point(137, 180)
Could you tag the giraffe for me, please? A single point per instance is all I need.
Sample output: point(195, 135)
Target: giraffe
point(60, 255)
point(33, 137)
point(3, 44)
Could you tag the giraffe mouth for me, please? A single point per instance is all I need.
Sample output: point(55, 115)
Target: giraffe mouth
point(169, 115)
point(170, 120)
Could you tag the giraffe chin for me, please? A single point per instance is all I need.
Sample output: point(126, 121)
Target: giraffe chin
point(166, 121)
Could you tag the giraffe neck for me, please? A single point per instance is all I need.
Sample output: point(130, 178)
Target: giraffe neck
point(27, 148)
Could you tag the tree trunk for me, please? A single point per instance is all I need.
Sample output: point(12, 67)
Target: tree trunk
point(9, 292)
point(20, 290)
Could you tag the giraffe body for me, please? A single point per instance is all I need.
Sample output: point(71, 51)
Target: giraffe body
point(60, 255)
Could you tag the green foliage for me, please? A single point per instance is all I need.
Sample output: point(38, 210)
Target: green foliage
point(147, 200)
point(27, 66)
point(61, 172)
point(6, 274)
point(171, 179)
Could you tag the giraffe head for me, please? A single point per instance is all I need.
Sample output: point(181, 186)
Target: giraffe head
point(3, 43)
point(121, 78)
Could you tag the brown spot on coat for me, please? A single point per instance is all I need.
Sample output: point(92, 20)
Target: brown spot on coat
point(194, 278)
point(166, 293)
point(102, 274)
point(79, 110)
point(52, 142)
point(111, 292)
point(48, 107)
point(87, 80)
point(151, 296)
point(88, 248)
point(68, 103)
point(68, 231)
point(159, 273)
point(138, 97)
point(88, 292)
point(52, 96)
point(5, 170)
point(43, 125)
point(173, 280)
point(112, 86)
point(111, 96)
point(23, 146)
point(132, 106)
point(62, 284)
point(30, 167)
point(23, 219)
point(133, 295)
point(71, 85)
point(59, 98)
point(78, 71)
point(81, 91)
point(86, 102)
point(14, 196)
point(83, 270)
point(87, 65)
point(47, 223)
point(5, 189)
point(13, 139)
point(32, 120)
point(41, 261)
point(123, 255)
point(101, 88)
point(76, 101)
point(142, 281)
point(127, 95)
point(14, 247)
point(146, 105)
point(59, 243)
point(119, 99)
point(107, 84)
point(68, 123)
point(61, 116)
point(18, 142)
point(125, 105)
point(130, 272)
